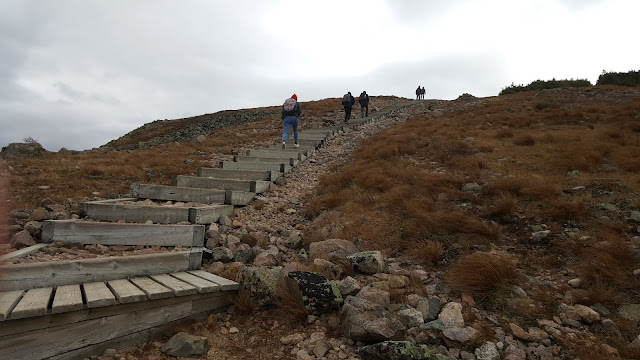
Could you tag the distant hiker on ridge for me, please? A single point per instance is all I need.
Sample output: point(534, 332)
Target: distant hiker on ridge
point(347, 101)
point(418, 91)
point(363, 99)
point(290, 112)
point(422, 92)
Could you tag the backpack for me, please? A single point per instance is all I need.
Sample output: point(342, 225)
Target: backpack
point(289, 105)
point(346, 99)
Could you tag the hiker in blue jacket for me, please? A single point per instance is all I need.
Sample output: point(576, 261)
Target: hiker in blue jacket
point(290, 112)
point(347, 101)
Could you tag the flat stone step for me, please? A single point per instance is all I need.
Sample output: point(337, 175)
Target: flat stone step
point(178, 193)
point(265, 160)
point(264, 175)
point(254, 186)
point(105, 233)
point(312, 136)
point(290, 149)
point(304, 142)
point(283, 168)
point(116, 210)
point(277, 154)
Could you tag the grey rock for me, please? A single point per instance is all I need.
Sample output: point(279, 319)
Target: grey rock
point(367, 262)
point(246, 255)
point(374, 295)
point(319, 294)
point(222, 254)
point(460, 334)
point(487, 351)
point(630, 312)
point(472, 188)
point(21, 240)
point(349, 286)
point(185, 345)
point(410, 317)
point(366, 321)
point(396, 350)
point(261, 282)
point(332, 249)
point(451, 315)
point(539, 353)
point(433, 325)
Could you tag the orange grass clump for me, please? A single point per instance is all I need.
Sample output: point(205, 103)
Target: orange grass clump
point(481, 272)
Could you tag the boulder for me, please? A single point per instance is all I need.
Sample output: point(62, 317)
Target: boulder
point(374, 295)
point(332, 249)
point(222, 254)
point(262, 282)
point(366, 321)
point(245, 254)
point(22, 150)
point(487, 351)
point(410, 317)
point(451, 315)
point(367, 262)
point(22, 240)
point(349, 286)
point(39, 214)
point(328, 268)
point(461, 334)
point(186, 345)
point(319, 294)
point(397, 350)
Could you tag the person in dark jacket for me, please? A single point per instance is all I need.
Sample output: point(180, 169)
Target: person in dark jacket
point(291, 111)
point(363, 99)
point(418, 92)
point(347, 101)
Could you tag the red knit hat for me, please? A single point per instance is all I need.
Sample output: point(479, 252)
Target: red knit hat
point(294, 96)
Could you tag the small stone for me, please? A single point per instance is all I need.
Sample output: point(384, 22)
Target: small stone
point(575, 283)
point(233, 330)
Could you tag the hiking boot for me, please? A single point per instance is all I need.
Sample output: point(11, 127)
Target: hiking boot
point(296, 145)
point(284, 145)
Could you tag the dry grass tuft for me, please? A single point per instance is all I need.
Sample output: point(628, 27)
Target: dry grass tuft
point(505, 204)
point(290, 300)
point(481, 272)
point(524, 140)
point(244, 302)
point(430, 252)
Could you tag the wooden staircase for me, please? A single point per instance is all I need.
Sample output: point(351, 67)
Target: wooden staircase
point(74, 309)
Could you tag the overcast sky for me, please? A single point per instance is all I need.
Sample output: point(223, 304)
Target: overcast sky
point(79, 73)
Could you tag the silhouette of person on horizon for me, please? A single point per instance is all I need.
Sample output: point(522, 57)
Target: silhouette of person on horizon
point(347, 101)
point(363, 99)
point(418, 90)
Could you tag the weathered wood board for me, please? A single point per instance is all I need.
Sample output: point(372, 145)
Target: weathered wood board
point(56, 273)
point(88, 232)
point(178, 193)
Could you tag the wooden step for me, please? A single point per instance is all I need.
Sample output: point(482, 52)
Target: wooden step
point(56, 273)
point(254, 186)
point(177, 193)
point(105, 233)
point(115, 210)
point(277, 154)
point(283, 168)
point(265, 160)
point(264, 175)
point(81, 320)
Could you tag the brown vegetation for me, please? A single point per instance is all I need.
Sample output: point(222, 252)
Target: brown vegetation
point(481, 272)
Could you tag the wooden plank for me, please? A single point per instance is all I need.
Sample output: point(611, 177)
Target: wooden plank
point(53, 320)
point(41, 344)
point(98, 294)
point(264, 175)
point(178, 193)
point(265, 160)
point(125, 291)
point(152, 289)
point(107, 210)
point(203, 286)
point(67, 298)
point(247, 166)
point(276, 154)
point(57, 273)
point(195, 258)
point(209, 214)
point(242, 198)
point(200, 310)
point(179, 288)
point(33, 303)
point(213, 183)
point(23, 252)
point(226, 284)
point(8, 300)
point(87, 232)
